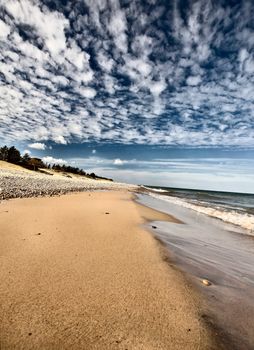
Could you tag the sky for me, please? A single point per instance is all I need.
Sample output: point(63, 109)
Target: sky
point(152, 92)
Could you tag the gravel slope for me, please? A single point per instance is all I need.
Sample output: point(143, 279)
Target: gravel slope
point(19, 184)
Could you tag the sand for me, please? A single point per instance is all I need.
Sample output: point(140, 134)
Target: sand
point(75, 277)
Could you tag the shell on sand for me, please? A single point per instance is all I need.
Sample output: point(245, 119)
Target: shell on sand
point(206, 282)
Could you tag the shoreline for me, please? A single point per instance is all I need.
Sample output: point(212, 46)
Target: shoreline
point(220, 336)
point(146, 304)
point(205, 249)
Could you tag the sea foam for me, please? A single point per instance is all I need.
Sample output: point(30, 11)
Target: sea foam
point(243, 220)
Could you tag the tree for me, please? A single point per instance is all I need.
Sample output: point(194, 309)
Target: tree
point(4, 153)
point(36, 163)
point(26, 158)
point(14, 155)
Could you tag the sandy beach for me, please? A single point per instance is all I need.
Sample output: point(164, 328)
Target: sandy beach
point(79, 271)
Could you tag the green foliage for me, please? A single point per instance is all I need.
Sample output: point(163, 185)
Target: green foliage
point(14, 155)
point(11, 154)
point(26, 158)
point(36, 163)
point(4, 153)
point(68, 169)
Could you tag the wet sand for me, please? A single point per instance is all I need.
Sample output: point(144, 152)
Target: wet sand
point(205, 247)
point(79, 272)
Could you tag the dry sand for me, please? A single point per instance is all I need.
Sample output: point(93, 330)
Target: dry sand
point(74, 277)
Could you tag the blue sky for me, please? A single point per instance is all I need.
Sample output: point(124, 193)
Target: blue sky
point(156, 92)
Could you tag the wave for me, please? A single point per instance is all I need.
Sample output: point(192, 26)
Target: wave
point(154, 189)
point(243, 220)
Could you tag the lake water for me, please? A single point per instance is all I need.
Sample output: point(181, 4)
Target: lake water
point(206, 247)
point(236, 208)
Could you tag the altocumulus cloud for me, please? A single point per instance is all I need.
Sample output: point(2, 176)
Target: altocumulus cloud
point(143, 72)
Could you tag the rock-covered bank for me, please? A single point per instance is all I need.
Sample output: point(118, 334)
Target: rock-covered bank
point(19, 184)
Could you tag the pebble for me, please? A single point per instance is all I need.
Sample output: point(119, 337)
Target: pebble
point(19, 184)
point(206, 282)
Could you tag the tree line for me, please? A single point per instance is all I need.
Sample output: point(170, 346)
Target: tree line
point(13, 155)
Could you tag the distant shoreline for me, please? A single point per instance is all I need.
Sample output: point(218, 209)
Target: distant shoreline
point(150, 187)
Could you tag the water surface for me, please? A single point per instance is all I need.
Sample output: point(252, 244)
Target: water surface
point(206, 247)
point(235, 208)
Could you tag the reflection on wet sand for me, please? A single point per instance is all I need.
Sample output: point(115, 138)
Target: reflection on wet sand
point(207, 248)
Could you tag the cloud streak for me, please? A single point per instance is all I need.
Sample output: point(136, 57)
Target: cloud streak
point(221, 174)
point(127, 72)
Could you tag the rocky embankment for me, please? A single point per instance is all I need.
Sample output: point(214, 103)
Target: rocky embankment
point(19, 184)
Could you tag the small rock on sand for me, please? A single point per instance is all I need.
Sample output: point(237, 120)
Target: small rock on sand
point(206, 282)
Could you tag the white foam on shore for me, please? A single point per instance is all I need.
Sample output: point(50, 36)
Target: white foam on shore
point(154, 189)
point(243, 220)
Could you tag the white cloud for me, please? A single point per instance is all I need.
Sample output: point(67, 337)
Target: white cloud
point(37, 145)
point(52, 160)
point(4, 30)
point(243, 54)
point(157, 87)
point(117, 23)
point(87, 92)
point(119, 162)
point(249, 66)
point(193, 80)
point(134, 87)
point(93, 151)
point(109, 84)
point(50, 25)
point(60, 139)
point(105, 61)
point(117, 27)
point(139, 65)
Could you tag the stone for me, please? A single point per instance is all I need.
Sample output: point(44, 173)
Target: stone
point(206, 282)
